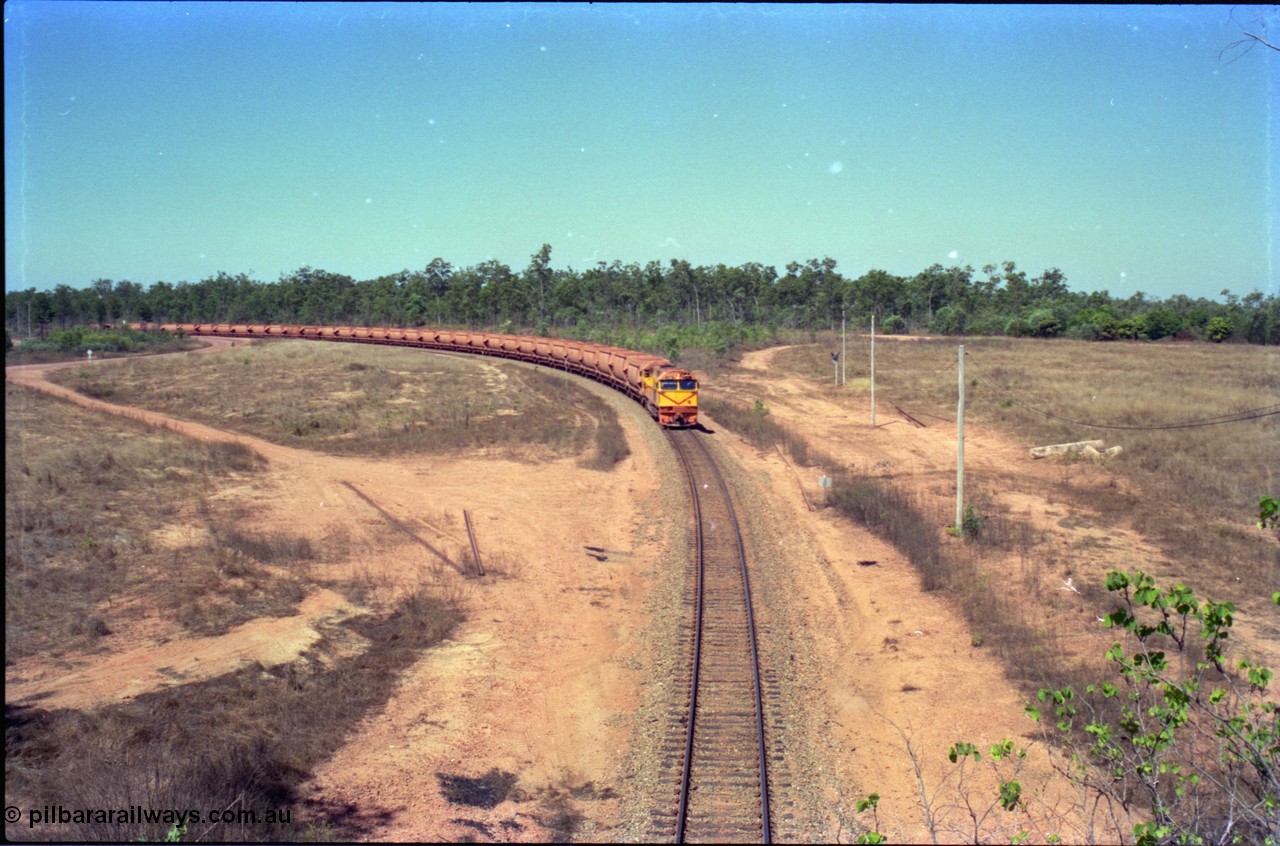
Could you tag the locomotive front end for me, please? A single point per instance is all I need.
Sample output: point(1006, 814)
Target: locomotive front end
point(677, 399)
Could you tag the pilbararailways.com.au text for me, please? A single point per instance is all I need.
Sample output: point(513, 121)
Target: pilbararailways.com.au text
point(138, 815)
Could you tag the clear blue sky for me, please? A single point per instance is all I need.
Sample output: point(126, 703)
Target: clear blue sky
point(169, 141)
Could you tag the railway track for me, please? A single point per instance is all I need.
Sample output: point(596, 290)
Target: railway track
point(718, 743)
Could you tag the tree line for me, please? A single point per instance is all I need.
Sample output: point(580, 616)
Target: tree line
point(726, 301)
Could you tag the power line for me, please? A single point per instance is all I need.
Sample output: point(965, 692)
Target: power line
point(1237, 417)
point(1234, 417)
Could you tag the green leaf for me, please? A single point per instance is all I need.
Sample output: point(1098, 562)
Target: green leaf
point(1268, 512)
point(999, 750)
point(1010, 795)
point(868, 804)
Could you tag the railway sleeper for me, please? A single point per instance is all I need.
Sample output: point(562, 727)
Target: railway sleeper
point(720, 825)
point(738, 783)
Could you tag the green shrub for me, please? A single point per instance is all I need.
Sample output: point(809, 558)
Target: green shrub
point(1219, 329)
point(948, 320)
point(1017, 327)
point(1044, 324)
point(1162, 323)
point(1132, 328)
point(894, 325)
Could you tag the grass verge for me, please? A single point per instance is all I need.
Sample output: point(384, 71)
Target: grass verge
point(111, 523)
point(108, 520)
point(1199, 486)
point(240, 742)
point(371, 401)
point(998, 620)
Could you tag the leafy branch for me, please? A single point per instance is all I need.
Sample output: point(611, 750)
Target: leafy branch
point(1187, 739)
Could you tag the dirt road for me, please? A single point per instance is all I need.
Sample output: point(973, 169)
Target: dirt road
point(536, 682)
point(544, 680)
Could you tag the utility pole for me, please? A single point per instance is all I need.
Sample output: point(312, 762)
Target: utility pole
point(873, 371)
point(960, 449)
point(843, 351)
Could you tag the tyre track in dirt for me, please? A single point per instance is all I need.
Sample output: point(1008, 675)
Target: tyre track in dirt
point(137, 670)
point(549, 640)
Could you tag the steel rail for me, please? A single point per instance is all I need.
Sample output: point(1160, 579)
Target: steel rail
point(720, 774)
point(682, 813)
point(718, 725)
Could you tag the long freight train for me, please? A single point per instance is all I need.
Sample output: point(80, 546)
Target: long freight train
point(668, 393)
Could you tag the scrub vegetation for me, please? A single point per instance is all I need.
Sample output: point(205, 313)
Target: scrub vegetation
point(1193, 492)
point(76, 342)
point(88, 507)
point(1205, 479)
point(1173, 738)
point(353, 399)
point(113, 527)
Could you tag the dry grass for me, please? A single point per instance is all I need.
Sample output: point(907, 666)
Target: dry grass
point(367, 400)
point(609, 442)
point(757, 425)
point(88, 498)
point(242, 741)
point(901, 516)
point(107, 517)
point(1192, 491)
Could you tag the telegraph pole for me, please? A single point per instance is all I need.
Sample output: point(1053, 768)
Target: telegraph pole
point(873, 371)
point(960, 449)
point(843, 351)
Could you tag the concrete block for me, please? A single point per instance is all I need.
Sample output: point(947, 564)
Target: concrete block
point(1062, 449)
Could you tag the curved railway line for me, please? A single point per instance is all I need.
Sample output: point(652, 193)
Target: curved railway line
point(716, 746)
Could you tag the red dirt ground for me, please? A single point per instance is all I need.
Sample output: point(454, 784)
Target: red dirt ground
point(540, 680)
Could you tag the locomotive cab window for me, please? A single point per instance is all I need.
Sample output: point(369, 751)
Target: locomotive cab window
point(688, 384)
point(670, 385)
